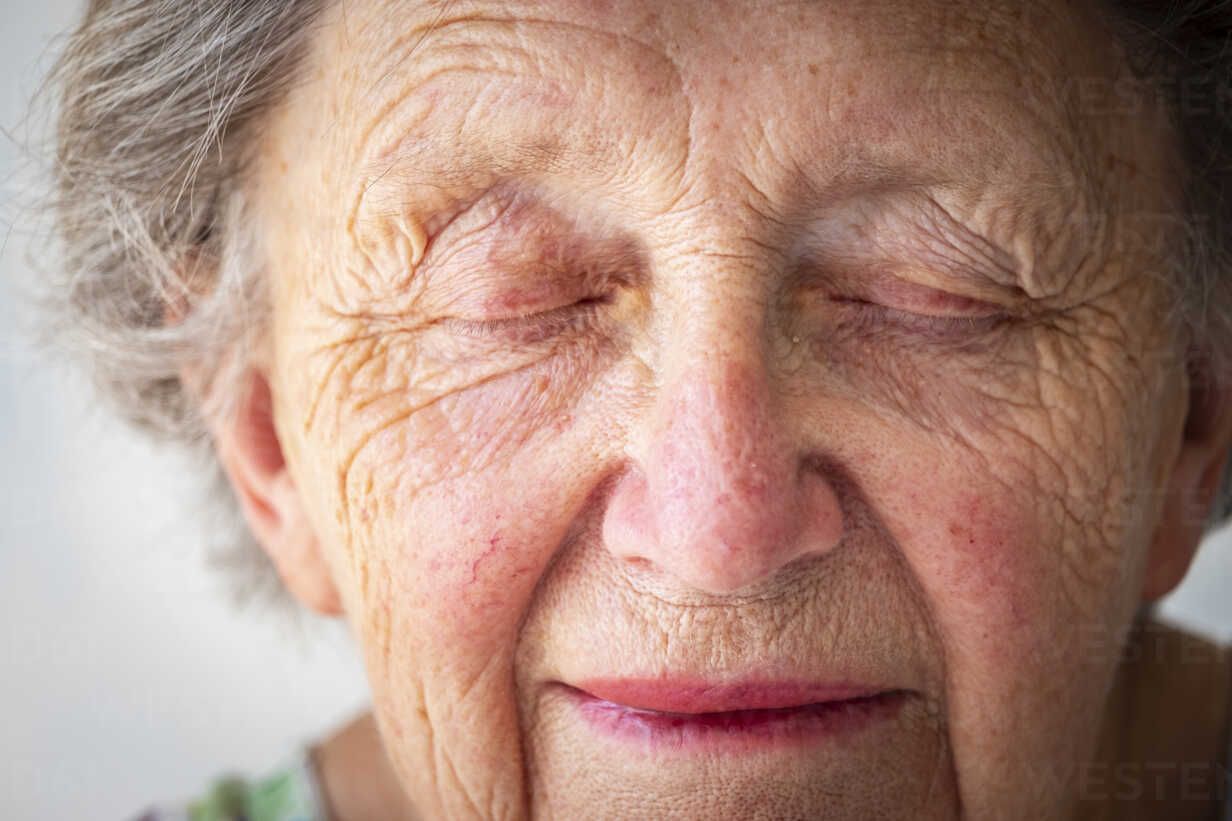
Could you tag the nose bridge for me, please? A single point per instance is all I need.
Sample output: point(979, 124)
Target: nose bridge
point(722, 483)
point(716, 440)
point(719, 451)
point(719, 495)
point(716, 433)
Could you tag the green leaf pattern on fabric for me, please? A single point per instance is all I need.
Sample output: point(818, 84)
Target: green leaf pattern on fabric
point(280, 797)
point(287, 794)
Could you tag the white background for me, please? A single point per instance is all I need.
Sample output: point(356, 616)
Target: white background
point(126, 675)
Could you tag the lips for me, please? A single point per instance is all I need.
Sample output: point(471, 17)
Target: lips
point(680, 714)
point(680, 696)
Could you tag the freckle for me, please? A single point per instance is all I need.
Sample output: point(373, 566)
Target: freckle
point(812, 69)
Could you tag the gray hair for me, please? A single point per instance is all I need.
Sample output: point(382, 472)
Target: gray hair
point(158, 102)
point(1183, 49)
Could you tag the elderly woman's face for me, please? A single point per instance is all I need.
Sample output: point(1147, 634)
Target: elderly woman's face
point(646, 366)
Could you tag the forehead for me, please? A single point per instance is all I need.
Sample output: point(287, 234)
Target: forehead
point(874, 69)
point(683, 102)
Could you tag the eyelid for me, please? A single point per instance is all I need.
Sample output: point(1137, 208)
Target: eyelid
point(926, 300)
point(919, 321)
point(532, 327)
point(878, 302)
point(871, 320)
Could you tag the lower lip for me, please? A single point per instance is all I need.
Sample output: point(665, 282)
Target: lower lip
point(738, 729)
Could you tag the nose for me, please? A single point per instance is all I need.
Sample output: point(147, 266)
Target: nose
point(724, 495)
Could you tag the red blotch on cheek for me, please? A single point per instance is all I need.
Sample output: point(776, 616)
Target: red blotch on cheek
point(978, 557)
point(989, 563)
point(472, 575)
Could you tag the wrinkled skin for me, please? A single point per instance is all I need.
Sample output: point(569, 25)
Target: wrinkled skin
point(722, 340)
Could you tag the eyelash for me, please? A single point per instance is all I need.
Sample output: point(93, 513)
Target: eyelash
point(869, 317)
point(875, 316)
point(532, 328)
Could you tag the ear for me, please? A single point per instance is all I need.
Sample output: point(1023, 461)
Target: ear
point(1196, 475)
point(251, 455)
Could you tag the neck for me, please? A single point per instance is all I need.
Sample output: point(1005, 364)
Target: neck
point(1164, 741)
point(356, 779)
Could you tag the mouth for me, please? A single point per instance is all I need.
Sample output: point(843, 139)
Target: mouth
point(749, 715)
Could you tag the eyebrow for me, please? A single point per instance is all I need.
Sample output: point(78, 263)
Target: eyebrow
point(855, 171)
point(405, 162)
point(883, 188)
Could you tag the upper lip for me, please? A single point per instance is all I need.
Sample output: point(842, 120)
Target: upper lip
point(693, 696)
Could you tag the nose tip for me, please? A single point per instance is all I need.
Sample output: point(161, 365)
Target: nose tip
point(724, 497)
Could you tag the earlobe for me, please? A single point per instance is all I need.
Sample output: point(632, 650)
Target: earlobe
point(1195, 479)
point(251, 455)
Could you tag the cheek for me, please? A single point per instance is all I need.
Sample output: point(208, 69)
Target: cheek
point(462, 506)
point(444, 537)
point(443, 480)
point(1011, 520)
point(461, 555)
point(980, 559)
point(1009, 555)
point(473, 553)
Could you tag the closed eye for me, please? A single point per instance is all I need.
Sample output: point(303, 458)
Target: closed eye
point(531, 328)
point(875, 315)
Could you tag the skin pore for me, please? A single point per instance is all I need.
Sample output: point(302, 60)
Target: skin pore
point(720, 342)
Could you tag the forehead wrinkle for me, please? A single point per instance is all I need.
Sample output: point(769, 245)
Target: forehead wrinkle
point(413, 172)
point(428, 148)
point(549, 161)
point(496, 46)
point(898, 131)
